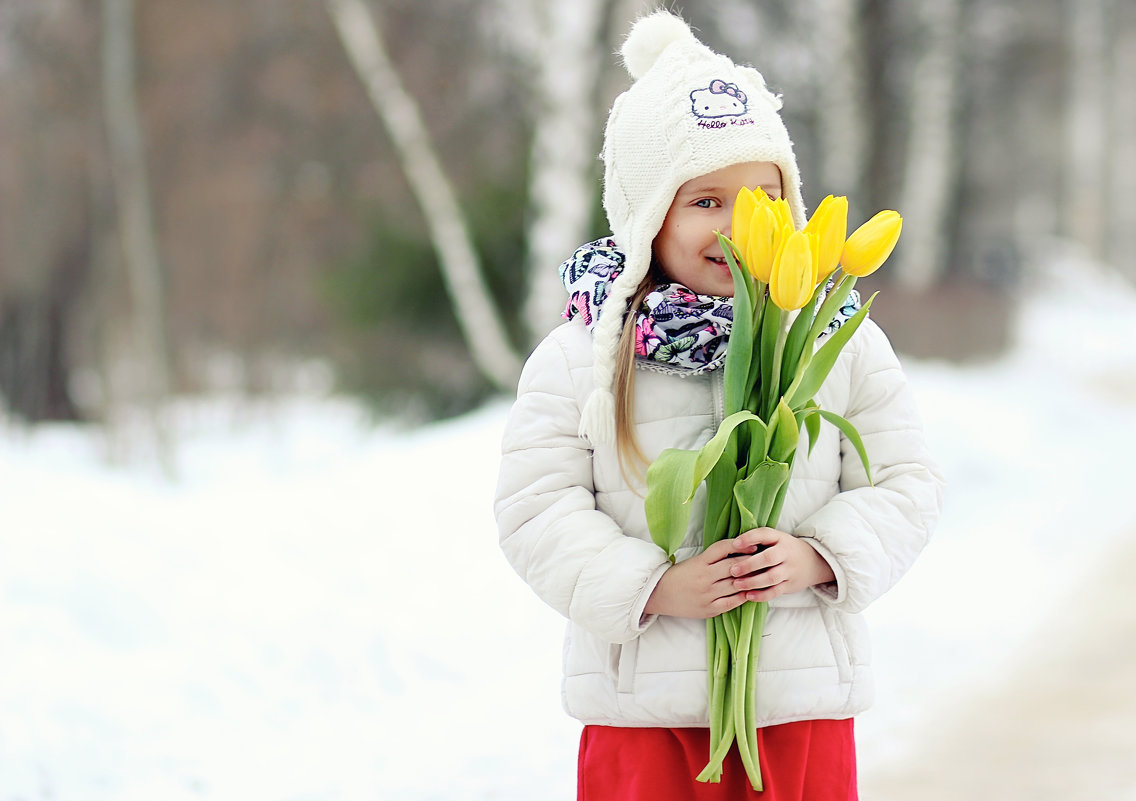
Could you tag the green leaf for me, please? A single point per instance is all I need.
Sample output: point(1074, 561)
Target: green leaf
point(775, 513)
point(824, 359)
point(853, 437)
point(711, 452)
point(720, 505)
point(795, 343)
point(770, 327)
point(753, 380)
point(786, 433)
point(673, 478)
point(811, 421)
point(667, 503)
point(757, 494)
point(740, 352)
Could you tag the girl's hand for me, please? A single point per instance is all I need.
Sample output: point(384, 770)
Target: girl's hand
point(703, 585)
point(785, 564)
point(759, 565)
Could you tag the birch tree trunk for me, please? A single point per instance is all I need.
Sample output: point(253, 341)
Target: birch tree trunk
point(1087, 116)
point(135, 221)
point(843, 103)
point(565, 59)
point(473, 307)
point(931, 161)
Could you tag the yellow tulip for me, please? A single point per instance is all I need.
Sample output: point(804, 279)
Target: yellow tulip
point(795, 271)
point(784, 213)
point(763, 237)
point(830, 223)
point(871, 244)
point(744, 206)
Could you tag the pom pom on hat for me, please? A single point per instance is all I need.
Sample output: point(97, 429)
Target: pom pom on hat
point(649, 37)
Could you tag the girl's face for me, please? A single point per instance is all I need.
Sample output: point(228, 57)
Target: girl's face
point(686, 247)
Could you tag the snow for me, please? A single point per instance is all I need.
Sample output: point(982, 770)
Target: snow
point(317, 609)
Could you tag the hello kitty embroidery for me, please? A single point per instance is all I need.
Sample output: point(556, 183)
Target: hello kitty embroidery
point(719, 99)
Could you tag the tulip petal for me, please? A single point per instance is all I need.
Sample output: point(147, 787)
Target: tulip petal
point(794, 273)
point(830, 223)
point(744, 205)
point(870, 245)
point(762, 242)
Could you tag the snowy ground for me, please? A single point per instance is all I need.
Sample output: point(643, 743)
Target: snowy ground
point(317, 608)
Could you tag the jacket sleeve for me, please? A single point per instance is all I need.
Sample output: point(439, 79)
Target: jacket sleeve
point(575, 557)
point(871, 535)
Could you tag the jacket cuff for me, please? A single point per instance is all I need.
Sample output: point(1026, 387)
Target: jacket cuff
point(833, 592)
point(640, 620)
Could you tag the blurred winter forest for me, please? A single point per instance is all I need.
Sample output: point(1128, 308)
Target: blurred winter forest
point(372, 196)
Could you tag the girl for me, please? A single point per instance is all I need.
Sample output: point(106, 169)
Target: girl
point(607, 391)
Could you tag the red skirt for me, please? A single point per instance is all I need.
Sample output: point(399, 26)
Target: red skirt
point(812, 760)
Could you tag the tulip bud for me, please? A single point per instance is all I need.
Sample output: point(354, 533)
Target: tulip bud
point(744, 206)
point(763, 237)
point(830, 222)
point(871, 244)
point(784, 213)
point(793, 278)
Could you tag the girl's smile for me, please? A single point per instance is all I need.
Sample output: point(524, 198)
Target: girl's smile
point(686, 246)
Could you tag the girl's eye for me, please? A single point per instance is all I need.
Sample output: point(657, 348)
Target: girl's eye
point(706, 203)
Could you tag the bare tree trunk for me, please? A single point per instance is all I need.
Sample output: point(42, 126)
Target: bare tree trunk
point(931, 157)
point(843, 102)
point(1121, 238)
point(566, 121)
point(135, 222)
point(1086, 124)
point(479, 320)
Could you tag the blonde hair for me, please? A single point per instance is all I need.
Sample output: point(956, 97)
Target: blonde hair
point(632, 460)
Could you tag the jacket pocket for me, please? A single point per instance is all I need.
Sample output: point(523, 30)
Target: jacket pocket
point(839, 642)
point(625, 667)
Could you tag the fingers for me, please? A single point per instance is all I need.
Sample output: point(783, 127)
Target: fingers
point(747, 543)
point(753, 566)
point(758, 536)
point(762, 580)
point(727, 603)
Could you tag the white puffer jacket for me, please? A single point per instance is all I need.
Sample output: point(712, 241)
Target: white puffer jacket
point(575, 531)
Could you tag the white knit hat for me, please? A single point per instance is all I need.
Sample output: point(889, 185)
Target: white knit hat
point(689, 112)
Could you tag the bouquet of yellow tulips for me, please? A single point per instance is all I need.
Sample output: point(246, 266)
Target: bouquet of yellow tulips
point(785, 298)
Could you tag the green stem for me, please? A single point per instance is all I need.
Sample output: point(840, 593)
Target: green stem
point(832, 304)
point(719, 663)
point(730, 627)
point(751, 688)
point(753, 380)
point(713, 770)
point(774, 384)
point(711, 671)
point(745, 732)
